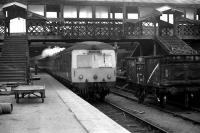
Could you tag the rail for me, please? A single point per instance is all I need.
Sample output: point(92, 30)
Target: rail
point(150, 126)
point(177, 114)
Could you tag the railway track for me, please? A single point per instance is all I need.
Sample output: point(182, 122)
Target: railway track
point(196, 109)
point(128, 118)
point(188, 115)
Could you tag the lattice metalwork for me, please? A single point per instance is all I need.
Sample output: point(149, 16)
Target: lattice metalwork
point(148, 28)
point(165, 28)
point(2, 27)
point(176, 46)
point(133, 29)
point(53, 27)
point(36, 27)
point(187, 29)
point(90, 28)
point(141, 29)
point(166, 31)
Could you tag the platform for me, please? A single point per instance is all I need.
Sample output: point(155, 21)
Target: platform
point(62, 112)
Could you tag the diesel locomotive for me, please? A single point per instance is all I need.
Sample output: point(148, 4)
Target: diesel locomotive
point(89, 67)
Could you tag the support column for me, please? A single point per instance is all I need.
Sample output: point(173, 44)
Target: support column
point(175, 25)
point(124, 19)
point(78, 11)
point(45, 10)
point(154, 49)
point(116, 47)
point(109, 12)
point(184, 13)
point(61, 11)
point(155, 28)
point(109, 22)
point(27, 19)
point(113, 12)
point(27, 26)
point(141, 51)
point(139, 14)
point(168, 18)
point(93, 11)
point(195, 14)
point(124, 12)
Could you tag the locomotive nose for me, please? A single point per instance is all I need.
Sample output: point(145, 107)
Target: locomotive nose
point(95, 77)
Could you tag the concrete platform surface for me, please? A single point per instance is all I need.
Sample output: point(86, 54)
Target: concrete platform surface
point(62, 112)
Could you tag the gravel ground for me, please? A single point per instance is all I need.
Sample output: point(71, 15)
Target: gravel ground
point(164, 120)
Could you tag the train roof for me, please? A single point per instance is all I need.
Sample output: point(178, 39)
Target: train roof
point(90, 45)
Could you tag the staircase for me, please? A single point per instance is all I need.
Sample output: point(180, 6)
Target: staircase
point(174, 45)
point(14, 60)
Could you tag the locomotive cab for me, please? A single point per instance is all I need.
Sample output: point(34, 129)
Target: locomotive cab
point(87, 66)
point(94, 71)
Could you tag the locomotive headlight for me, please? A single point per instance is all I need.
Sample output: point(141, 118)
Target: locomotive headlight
point(109, 76)
point(95, 77)
point(166, 73)
point(80, 77)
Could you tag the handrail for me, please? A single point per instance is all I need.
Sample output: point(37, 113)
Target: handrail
point(27, 69)
point(181, 46)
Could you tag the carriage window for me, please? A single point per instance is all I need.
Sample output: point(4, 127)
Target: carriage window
point(84, 61)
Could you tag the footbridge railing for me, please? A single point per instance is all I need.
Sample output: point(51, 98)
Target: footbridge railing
point(90, 29)
point(2, 28)
point(188, 29)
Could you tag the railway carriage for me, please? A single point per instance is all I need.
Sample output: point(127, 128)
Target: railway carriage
point(166, 76)
point(89, 67)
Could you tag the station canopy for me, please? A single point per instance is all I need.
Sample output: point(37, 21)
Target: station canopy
point(150, 16)
point(16, 9)
point(13, 4)
point(169, 10)
point(143, 1)
point(187, 20)
point(157, 13)
point(183, 2)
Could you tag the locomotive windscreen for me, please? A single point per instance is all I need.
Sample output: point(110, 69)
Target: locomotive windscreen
point(96, 59)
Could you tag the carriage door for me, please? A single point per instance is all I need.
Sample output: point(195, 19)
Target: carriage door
point(140, 70)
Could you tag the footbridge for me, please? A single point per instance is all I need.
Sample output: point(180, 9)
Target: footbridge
point(102, 21)
point(160, 28)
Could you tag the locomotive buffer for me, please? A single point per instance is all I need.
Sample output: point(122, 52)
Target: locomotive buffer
point(26, 90)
